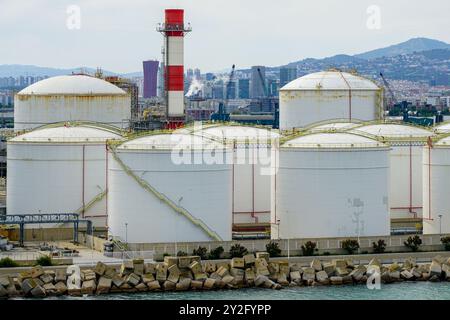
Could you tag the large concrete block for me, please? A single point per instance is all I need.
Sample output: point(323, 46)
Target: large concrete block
point(339, 263)
point(154, 285)
point(38, 292)
point(263, 255)
point(50, 289)
point(196, 285)
point(61, 287)
point(435, 269)
point(236, 272)
point(183, 284)
point(170, 261)
point(316, 264)
point(88, 287)
point(148, 277)
point(209, 284)
point(249, 274)
point(104, 285)
point(28, 285)
point(249, 259)
point(309, 274)
point(184, 262)
point(141, 287)
point(87, 275)
point(210, 267)
point(273, 267)
point(201, 276)
point(46, 278)
point(237, 263)
point(60, 275)
point(126, 267)
point(336, 280)
point(222, 271)
point(133, 279)
point(37, 271)
point(195, 267)
point(295, 275)
point(150, 268)
point(161, 272)
point(100, 268)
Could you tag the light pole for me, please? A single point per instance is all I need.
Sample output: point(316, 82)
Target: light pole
point(440, 224)
point(176, 222)
point(126, 233)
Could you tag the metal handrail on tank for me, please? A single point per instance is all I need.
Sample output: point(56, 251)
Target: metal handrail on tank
point(84, 123)
point(286, 139)
point(146, 186)
point(330, 121)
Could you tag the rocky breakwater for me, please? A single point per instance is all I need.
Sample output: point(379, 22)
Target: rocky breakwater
point(190, 273)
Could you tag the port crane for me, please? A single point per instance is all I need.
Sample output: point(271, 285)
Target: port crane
point(392, 101)
point(263, 84)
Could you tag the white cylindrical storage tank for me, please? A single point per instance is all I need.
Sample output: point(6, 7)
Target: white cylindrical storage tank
point(250, 170)
point(436, 184)
point(170, 188)
point(329, 95)
point(331, 185)
point(59, 170)
point(405, 158)
point(71, 98)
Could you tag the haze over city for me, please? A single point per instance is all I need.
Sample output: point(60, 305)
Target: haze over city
point(118, 35)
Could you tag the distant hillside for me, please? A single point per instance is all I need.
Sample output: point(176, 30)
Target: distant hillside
point(16, 70)
point(407, 47)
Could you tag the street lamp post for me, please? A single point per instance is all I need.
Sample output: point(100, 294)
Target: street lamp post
point(440, 224)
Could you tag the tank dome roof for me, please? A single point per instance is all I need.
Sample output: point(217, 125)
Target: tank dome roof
point(72, 85)
point(330, 80)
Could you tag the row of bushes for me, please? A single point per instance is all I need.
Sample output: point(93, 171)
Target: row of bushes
point(308, 249)
point(7, 262)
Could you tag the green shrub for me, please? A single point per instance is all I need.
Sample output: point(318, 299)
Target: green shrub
point(201, 252)
point(238, 251)
point(413, 242)
point(181, 254)
point(165, 254)
point(365, 252)
point(273, 249)
point(350, 245)
point(446, 242)
point(326, 253)
point(309, 248)
point(216, 253)
point(44, 261)
point(379, 246)
point(7, 262)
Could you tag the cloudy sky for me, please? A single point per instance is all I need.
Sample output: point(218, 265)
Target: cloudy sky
point(118, 34)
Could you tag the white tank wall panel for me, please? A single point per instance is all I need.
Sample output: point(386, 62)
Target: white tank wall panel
point(405, 181)
point(31, 111)
point(176, 103)
point(319, 192)
point(436, 200)
point(175, 51)
point(203, 190)
point(300, 108)
point(251, 195)
point(48, 178)
point(406, 165)
point(315, 201)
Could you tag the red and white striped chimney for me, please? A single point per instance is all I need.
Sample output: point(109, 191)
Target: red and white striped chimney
point(174, 31)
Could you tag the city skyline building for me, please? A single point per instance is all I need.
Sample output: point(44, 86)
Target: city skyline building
point(150, 78)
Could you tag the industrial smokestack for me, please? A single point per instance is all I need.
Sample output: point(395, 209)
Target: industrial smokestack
point(173, 31)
